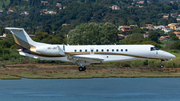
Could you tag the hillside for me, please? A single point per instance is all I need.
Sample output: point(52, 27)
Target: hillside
point(38, 14)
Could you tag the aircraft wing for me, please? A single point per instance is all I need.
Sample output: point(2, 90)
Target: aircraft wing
point(75, 58)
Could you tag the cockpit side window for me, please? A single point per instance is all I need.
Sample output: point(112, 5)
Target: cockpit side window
point(154, 48)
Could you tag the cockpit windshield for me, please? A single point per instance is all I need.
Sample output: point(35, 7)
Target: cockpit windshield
point(154, 48)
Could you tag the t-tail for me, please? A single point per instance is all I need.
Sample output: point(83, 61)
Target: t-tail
point(28, 46)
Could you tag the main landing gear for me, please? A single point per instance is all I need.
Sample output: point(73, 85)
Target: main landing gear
point(162, 64)
point(82, 68)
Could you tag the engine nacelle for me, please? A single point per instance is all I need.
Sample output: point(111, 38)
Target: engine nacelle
point(48, 50)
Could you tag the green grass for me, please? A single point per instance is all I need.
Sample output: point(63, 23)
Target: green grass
point(97, 72)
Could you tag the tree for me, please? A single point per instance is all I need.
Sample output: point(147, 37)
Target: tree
point(45, 38)
point(151, 43)
point(153, 37)
point(40, 35)
point(3, 5)
point(47, 28)
point(133, 39)
point(145, 3)
point(137, 30)
point(175, 20)
point(154, 1)
point(137, 37)
point(175, 45)
point(175, 6)
point(93, 33)
point(125, 22)
point(5, 44)
point(166, 23)
point(171, 34)
point(174, 38)
point(1, 30)
point(167, 8)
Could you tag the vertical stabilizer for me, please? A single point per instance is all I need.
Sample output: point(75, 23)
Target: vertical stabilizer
point(22, 39)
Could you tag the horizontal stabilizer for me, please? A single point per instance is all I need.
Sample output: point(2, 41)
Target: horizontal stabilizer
point(12, 28)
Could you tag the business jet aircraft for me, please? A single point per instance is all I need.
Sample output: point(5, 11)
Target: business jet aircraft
point(85, 54)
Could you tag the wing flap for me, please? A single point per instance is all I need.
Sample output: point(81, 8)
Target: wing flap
point(84, 58)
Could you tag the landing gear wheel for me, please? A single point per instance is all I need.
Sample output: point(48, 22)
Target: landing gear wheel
point(84, 68)
point(162, 64)
point(80, 69)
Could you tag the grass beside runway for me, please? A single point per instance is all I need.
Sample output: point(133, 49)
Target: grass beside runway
point(47, 71)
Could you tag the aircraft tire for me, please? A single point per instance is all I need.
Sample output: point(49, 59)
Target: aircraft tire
point(80, 69)
point(84, 68)
point(162, 66)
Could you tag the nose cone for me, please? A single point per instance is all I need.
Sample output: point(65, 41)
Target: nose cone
point(166, 55)
point(169, 55)
point(173, 56)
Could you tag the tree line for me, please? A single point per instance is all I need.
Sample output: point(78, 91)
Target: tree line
point(84, 11)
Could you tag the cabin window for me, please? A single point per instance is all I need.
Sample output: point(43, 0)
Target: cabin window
point(102, 50)
point(75, 50)
point(85, 50)
point(126, 50)
point(80, 50)
point(117, 50)
point(154, 48)
point(107, 50)
point(96, 50)
point(91, 50)
point(121, 50)
point(112, 50)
